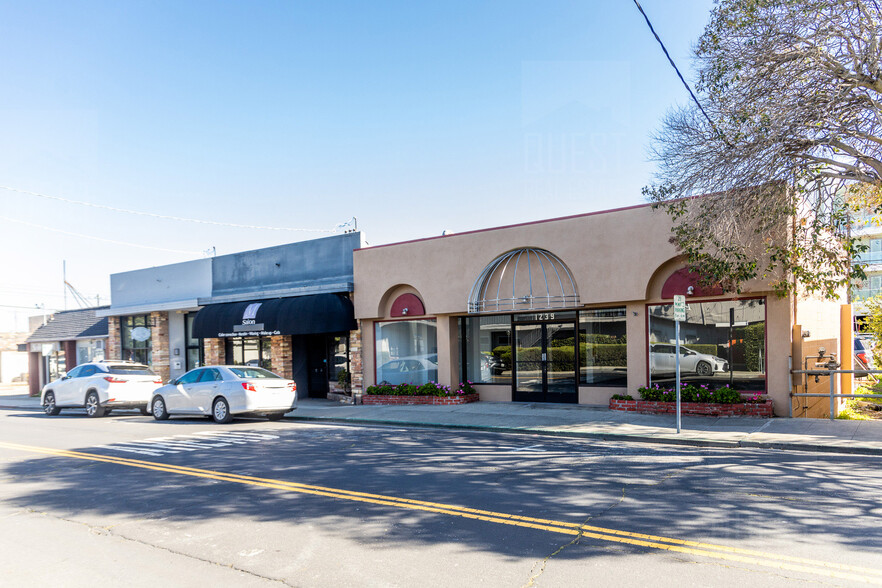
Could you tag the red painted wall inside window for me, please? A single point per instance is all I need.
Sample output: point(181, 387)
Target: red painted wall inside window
point(408, 305)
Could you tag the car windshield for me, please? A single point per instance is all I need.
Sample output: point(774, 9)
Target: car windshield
point(252, 372)
point(131, 370)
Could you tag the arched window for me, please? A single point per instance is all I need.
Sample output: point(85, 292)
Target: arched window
point(522, 280)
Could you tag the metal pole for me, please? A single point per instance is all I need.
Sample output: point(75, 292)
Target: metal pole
point(832, 398)
point(731, 325)
point(677, 335)
point(790, 369)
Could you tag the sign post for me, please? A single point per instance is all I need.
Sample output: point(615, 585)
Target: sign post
point(679, 315)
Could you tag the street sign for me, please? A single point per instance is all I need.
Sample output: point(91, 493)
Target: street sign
point(679, 307)
point(679, 315)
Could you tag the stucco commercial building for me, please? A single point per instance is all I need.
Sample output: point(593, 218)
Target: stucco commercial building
point(286, 308)
point(569, 310)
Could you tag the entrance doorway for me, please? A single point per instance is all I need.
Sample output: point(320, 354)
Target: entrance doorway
point(545, 360)
point(327, 356)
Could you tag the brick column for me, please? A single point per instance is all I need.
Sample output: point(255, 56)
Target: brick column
point(282, 360)
point(114, 339)
point(356, 369)
point(159, 356)
point(214, 351)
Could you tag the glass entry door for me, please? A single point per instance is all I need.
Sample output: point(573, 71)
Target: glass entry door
point(545, 360)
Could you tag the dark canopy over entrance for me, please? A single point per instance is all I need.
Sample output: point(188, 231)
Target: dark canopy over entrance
point(300, 315)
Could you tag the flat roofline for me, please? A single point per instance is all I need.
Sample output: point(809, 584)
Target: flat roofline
point(524, 224)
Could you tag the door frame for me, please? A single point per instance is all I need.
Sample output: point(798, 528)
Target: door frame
point(544, 395)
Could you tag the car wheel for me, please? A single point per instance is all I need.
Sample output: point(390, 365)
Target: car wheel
point(160, 412)
point(220, 411)
point(93, 405)
point(704, 369)
point(49, 406)
point(275, 416)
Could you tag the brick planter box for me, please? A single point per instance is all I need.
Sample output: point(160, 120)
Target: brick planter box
point(442, 400)
point(750, 409)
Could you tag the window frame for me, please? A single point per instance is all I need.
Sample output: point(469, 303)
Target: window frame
point(668, 302)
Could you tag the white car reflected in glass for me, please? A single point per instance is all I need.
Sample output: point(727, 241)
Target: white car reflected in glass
point(663, 358)
point(225, 391)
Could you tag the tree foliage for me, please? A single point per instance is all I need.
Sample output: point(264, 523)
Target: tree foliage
point(793, 93)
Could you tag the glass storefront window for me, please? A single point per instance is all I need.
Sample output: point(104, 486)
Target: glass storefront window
point(56, 363)
point(407, 352)
point(722, 343)
point(135, 335)
point(250, 351)
point(90, 350)
point(487, 353)
point(603, 348)
point(338, 356)
point(192, 345)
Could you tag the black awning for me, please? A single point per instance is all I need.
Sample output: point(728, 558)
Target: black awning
point(300, 315)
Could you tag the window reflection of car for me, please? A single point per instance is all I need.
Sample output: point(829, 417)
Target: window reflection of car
point(408, 370)
point(863, 356)
point(662, 359)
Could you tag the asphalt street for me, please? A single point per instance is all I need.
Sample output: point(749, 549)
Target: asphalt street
point(97, 502)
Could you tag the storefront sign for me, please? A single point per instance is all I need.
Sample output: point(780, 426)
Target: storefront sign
point(567, 315)
point(140, 333)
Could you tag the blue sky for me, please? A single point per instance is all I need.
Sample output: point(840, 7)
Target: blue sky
point(413, 117)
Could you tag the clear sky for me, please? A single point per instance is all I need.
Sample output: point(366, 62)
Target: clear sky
point(414, 117)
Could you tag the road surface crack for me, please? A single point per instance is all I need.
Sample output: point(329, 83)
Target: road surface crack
point(106, 531)
point(544, 562)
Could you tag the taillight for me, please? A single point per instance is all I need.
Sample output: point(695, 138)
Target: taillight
point(249, 386)
point(157, 381)
point(113, 380)
point(292, 386)
point(862, 356)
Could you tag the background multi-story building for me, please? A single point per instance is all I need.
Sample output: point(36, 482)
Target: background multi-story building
point(869, 232)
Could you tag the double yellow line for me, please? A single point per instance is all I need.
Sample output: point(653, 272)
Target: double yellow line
point(709, 550)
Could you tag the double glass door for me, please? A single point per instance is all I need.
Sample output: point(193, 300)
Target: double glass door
point(545, 360)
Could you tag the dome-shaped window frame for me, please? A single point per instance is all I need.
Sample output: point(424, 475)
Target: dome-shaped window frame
point(557, 278)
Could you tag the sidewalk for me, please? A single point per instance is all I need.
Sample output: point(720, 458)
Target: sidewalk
point(854, 437)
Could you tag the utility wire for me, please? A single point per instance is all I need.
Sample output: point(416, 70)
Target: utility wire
point(162, 216)
point(45, 228)
point(676, 69)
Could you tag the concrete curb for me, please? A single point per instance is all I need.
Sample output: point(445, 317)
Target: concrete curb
point(713, 443)
point(34, 408)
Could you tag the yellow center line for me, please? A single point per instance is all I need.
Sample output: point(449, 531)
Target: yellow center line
point(783, 562)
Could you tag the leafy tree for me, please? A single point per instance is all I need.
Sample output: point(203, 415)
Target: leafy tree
point(790, 137)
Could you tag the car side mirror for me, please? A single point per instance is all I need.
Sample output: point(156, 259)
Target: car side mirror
point(65, 376)
point(173, 382)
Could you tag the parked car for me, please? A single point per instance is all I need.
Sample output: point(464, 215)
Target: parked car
point(662, 359)
point(408, 370)
point(223, 391)
point(100, 387)
point(863, 356)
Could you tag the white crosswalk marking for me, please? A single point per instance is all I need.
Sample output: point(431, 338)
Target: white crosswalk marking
point(198, 441)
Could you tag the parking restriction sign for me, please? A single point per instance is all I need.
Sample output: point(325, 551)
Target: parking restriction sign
point(679, 307)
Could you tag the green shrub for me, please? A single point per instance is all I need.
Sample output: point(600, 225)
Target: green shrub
point(726, 395)
point(754, 346)
point(622, 397)
point(691, 393)
point(384, 390)
point(466, 388)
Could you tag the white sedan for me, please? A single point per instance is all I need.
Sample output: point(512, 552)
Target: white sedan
point(224, 391)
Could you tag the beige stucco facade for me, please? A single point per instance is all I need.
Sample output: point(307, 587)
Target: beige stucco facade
point(617, 258)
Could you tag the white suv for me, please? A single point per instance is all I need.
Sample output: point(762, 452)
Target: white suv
point(100, 387)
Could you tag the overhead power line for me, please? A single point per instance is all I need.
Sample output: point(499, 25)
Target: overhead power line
point(45, 228)
point(682, 79)
point(161, 216)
